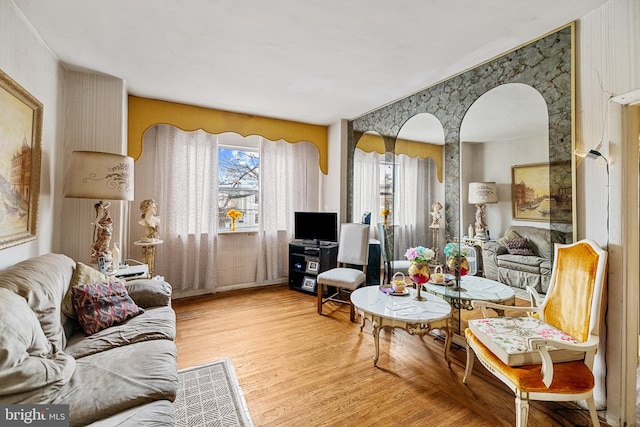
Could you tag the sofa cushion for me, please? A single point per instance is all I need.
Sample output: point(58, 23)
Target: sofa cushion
point(100, 305)
point(509, 235)
point(42, 281)
point(157, 413)
point(520, 246)
point(31, 368)
point(82, 275)
point(149, 292)
point(119, 379)
point(155, 323)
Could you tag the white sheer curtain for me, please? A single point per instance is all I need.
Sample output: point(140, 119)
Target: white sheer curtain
point(412, 202)
point(366, 186)
point(288, 183)
point(186, 174)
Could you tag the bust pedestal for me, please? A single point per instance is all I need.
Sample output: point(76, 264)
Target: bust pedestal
point(149, 253)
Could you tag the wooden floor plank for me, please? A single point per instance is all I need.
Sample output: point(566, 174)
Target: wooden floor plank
point(298, 368)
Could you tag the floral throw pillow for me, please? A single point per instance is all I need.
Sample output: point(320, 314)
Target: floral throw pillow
point(519, 246)
point(101, 305)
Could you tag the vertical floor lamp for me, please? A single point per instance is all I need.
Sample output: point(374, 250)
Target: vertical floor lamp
point(481, 194)
point(101, 176)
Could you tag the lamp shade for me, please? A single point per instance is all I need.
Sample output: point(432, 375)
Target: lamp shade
point(482, 193)
point(97, 175)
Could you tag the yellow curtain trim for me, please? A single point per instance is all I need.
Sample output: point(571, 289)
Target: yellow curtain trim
point(145, 112)
point(422, 150)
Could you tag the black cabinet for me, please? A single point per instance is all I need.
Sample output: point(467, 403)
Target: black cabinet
point(306, 261)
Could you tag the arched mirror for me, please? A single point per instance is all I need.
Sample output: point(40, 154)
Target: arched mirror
point(419, 155)
point(510, 191)
point(372, 189)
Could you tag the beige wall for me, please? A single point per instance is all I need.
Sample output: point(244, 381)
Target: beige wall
point(29, 62)
point(608, 63)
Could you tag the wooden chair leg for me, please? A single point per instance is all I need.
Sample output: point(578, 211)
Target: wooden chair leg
point(591, 404)
point(319, 287)
point(471, 357)
point(352, 312)
point(522, 412)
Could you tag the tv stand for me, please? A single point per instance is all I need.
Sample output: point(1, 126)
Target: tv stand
point(307, 259)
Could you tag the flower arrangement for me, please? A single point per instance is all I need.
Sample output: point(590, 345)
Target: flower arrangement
point(454, 249)
point(385, 214)
point(419, 254)
point(234, 214)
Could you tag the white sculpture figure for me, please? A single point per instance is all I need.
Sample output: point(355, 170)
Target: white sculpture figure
point(149, 220)
point(435, 213)
point(102, 231)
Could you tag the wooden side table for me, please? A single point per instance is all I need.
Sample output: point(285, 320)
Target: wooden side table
point(149, 253)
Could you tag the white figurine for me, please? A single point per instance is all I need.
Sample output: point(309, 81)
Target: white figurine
point(149, 220)
point(102, 231)
point(435, 213)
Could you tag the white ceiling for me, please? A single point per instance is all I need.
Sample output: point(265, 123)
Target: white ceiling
point(314, 61)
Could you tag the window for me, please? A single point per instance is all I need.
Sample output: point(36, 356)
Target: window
point(238, 186)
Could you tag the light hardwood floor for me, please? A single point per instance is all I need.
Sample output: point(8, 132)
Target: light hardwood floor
point(298, 368)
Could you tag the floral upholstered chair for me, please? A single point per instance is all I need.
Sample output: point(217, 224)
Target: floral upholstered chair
point(547, 353)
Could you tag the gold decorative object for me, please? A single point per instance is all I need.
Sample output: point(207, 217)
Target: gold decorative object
point(234, 215)
point(419, 274)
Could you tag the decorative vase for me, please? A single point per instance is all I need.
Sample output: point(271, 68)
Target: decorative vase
point(233, 224)
point(419, 274)
point(386, 219)
point(457, 265)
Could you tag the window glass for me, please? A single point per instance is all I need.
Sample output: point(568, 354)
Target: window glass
point(238, 187)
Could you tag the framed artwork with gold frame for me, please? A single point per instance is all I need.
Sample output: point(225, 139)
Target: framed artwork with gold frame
point(542, 192)
point(20, 152)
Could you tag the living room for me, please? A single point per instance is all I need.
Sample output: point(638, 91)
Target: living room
point(88, 110)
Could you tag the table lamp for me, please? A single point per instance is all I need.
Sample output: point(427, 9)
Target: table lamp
point(98, 175)
point(481, 194)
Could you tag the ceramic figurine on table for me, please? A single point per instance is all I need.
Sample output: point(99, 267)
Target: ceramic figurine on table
point(436, 207)
point(103, 229)
point(149, 220)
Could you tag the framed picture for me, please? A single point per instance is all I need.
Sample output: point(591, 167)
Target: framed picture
point(21, 134)
point(309, 283)
point(542, 192)
point(313, 266)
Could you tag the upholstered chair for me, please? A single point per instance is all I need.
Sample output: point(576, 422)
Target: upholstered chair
point(353, 250)
point(547, 351)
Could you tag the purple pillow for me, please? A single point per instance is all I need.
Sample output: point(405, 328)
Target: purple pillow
point(519, 246)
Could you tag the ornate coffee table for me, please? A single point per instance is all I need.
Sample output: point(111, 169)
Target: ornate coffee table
point(473, 288)
point(415, 317)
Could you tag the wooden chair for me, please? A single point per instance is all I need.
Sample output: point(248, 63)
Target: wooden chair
point(353, 249)
point(549, 353)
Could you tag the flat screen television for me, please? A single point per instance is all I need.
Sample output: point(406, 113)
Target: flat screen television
point(318, 227)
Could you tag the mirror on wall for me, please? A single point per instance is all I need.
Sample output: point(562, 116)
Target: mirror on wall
point(507, 126)
point(419, 152)
point(372, 185)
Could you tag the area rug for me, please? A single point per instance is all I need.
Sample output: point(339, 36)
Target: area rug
point(210, 395)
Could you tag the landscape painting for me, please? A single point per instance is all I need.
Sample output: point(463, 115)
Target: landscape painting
point(20, 136)
point(542, 192)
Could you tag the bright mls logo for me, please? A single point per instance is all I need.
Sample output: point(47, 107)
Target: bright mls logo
point(34, 415)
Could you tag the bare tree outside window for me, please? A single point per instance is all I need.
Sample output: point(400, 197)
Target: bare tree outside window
point(238, 186)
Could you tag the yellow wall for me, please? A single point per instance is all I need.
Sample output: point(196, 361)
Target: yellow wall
point(144, 113)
